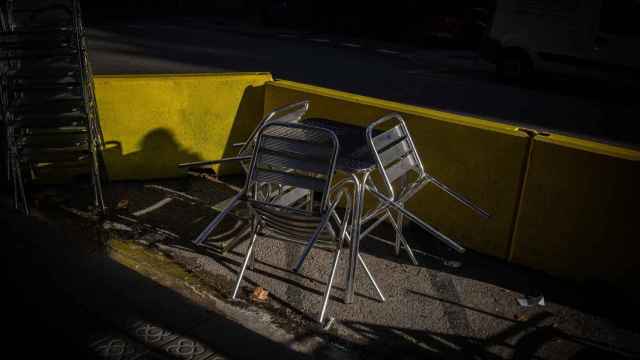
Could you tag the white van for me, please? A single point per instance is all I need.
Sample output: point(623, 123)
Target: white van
point(594, 38)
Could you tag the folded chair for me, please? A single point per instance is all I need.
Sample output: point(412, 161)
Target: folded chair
point(296, 156)
point(47, 98)
point(292, 113)
point(403, 175)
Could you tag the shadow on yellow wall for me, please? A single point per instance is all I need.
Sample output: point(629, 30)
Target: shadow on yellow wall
point(153, 123)
point(158, 152)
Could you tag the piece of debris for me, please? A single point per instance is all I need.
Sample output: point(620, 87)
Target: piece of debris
point(531, 301)
point(521, 317)
point(110, 225)
point(123, 204)
point(153, 207)
point(260, 295)
point(453, 264)
point(151, 238)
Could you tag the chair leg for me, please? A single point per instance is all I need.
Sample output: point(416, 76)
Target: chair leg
point(252, 261)
point(399, 233)
point(14, 184)
point(244, 263)
point(97, 184)
point(373, 281)
point(20, 186)
point(403, 240)
point(400, 220)
point(347, 237)
point(327, 292)
point(202, 237)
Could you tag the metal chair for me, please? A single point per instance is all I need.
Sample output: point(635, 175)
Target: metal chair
point(403, 175)
point(297, 156)
point(48, 102)
point(292, 113)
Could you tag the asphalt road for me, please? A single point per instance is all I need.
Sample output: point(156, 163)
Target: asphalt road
point(450, 80)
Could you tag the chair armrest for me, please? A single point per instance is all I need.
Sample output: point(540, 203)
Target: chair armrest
point(211, 162)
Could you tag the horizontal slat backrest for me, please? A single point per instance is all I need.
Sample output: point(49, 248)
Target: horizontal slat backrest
point(401, 167)
point(292, 113)
point(390, 136)
point(297, 156)
point(395, 152)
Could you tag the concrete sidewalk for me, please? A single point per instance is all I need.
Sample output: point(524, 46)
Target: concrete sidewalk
point(78, 293)
point(139, 289)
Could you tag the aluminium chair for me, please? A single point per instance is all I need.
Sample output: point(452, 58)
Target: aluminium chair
point(47, 99)
point(296, 156)
point(291, 113)
point(403, 175)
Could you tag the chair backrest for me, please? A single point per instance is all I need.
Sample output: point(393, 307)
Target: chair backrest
point(291, 113)
point(293, 155)
point(394, 150)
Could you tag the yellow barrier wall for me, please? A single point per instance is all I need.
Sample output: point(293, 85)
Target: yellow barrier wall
point(479, 158)
point(579, 211)
point(152, 122)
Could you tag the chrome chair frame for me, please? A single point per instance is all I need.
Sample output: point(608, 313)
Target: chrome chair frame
point(18, 41)
point(291, 113)
point(396, 156)
point(294, 159)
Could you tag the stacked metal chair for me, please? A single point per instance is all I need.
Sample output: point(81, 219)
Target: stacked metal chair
point(48, 101)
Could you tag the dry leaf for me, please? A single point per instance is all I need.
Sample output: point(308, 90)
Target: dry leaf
point(123, 204)
point(260, 294)
point(521, 317)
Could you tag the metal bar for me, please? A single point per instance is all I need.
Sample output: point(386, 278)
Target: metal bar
point(401, 167)
point(355, 237)
point(395, 152)
point(327, 292)
point(401, 239)
point(211, 162)
point(364, 234)
point(214, 223)
point(244, 263)
point(440, 236)
point(387, 137)
point(460, 198)
point(373, 281)
point(314, 238)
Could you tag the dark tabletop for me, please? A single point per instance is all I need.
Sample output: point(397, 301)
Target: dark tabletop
point(354, 154)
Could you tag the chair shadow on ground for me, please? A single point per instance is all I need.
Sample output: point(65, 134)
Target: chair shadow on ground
point(591, 297)
point(385, 342)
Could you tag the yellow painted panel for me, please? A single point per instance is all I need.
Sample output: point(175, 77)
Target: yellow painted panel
point(579, 211)
point(478, 158)
point(152, 122)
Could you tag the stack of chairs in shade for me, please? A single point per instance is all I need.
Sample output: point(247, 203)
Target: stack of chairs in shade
point(48, 110)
